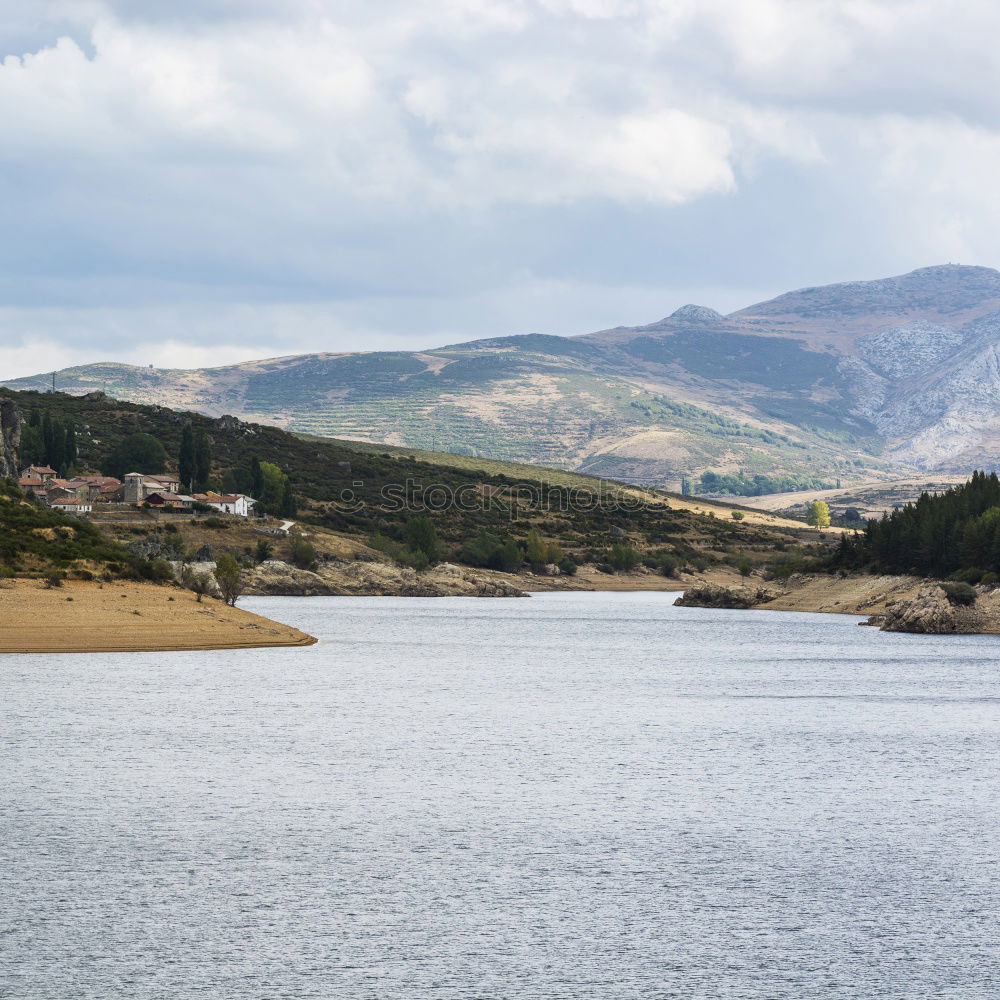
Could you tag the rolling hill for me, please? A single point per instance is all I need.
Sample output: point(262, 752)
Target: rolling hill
point(854, 382)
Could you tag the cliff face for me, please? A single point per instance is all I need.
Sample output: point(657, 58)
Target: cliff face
point(10, 438)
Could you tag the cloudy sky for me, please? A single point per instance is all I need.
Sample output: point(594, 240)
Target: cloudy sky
point(207, 181)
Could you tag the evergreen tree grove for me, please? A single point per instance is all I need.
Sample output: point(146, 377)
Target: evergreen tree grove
point(954, 531)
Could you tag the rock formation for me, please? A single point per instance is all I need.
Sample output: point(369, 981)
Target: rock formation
point(710, 596)
point(930, 613)
point(10, 438)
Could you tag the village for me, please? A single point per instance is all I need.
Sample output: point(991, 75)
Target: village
point(82, 495)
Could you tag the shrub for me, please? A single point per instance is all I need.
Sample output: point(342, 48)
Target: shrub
point(215, 522)
point(668, 566)
point(398, 552)
point(990, 579)
point(623, 558)
point(264, 550)
point(970, 575)
point(567, 566)
point(738, 515)
point(303, 553)
point(200, 583)
point(540, 553)
point(959, 593)
point(420, 535)
point(491, 552)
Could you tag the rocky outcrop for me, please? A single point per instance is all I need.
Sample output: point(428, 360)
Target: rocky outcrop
point(10, 438)
point(710, 596)
point(375, 579)
point(930, 613)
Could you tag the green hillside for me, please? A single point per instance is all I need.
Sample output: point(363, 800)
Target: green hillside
point(366, 493)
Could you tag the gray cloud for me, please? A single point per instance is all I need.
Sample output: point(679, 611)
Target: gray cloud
point(206, 181)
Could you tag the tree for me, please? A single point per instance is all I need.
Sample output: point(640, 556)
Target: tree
point(32, 449)
point(818, 514)
point(289, 507)
point(623, 557)
point(272, 488)
point(229, 577)
point(535, 550)
point(136, 453)
point(186, 466)
point(256, 478)
point(70, 449)
point(420, 535)
point(202, 459)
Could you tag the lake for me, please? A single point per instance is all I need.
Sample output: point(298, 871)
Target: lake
point(573, 795)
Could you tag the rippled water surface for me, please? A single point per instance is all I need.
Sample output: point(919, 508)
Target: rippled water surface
point(573, 796)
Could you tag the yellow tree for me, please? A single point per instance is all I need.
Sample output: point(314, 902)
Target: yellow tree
point(819, 514)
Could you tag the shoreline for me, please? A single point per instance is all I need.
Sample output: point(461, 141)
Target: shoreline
point(128, 617)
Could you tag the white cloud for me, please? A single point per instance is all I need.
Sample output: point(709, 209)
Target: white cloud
point(297, 157)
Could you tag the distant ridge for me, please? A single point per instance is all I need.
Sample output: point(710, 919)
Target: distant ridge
point(850, 381)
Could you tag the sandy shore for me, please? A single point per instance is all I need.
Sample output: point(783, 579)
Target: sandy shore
point(128, 617)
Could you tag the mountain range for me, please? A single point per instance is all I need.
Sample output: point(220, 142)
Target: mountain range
point(854, 381)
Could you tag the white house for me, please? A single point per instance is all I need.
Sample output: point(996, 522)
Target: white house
point(71, 505)
point(227, 503)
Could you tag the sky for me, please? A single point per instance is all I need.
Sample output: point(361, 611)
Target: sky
point(203, 182)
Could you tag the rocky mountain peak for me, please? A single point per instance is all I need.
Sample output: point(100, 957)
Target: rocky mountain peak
point(697, 314)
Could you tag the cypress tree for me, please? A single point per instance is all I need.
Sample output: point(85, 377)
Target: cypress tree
point(48, 440)
point(256, 478)
point(288, 505)
point(202, 459)
point(71, 451)
point(185, 460)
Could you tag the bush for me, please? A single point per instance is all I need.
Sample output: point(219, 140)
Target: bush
point(990, 579)
point(668, 566)
point(970, 575)
point(959, 593)
point(398, 552)
point(744, 566)
point(420, 535)
point(567, 566)
point(491, 552)
point(264, 550)
point(215, 522)
point(200, 583)
point(303, 553)
point(738, 515)
point(623, 558)
point(540, 553)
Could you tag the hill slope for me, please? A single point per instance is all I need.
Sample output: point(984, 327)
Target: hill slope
point(854, 381)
